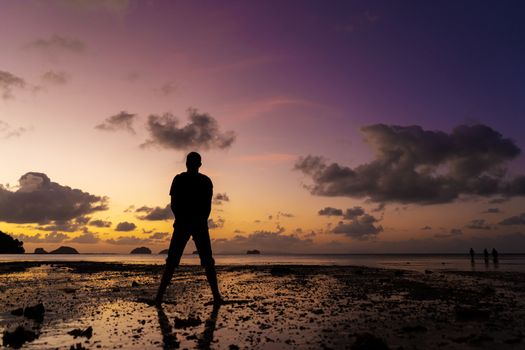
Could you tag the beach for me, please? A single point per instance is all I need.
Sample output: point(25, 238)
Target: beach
point(96, 305)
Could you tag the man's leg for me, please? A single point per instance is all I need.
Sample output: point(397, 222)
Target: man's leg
point(203, 244)
point(178, 243)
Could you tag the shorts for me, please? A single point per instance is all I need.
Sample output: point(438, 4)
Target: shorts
point(181, 234)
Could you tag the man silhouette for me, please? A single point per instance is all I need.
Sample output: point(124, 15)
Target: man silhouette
point(191, 194)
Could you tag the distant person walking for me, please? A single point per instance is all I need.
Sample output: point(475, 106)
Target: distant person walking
point(495, 256)
point(486, 255)
point(472, 255)
point(191, 194)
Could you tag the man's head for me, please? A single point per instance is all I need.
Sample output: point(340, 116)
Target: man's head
point(193, 161)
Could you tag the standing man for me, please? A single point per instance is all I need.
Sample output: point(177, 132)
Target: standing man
point(191, 194)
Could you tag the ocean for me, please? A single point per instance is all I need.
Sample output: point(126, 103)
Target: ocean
point(417, 262)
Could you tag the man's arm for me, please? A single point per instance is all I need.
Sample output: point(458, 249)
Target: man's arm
point(173, 192)
point(209, 196)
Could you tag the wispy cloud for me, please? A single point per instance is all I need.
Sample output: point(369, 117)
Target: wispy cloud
point(120, 121)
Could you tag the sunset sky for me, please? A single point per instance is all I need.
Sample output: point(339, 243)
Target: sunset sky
point(326, 127)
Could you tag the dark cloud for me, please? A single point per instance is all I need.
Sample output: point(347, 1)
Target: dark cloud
point(220, 198)
point(7, 131)
point(212, 224)
point(514, 220)
point(55, 77)
point(120, 121)
point(361, 227)
point(452, 233)
point(352, 213)
point(9, 82)
point(284, 215)
point(329, 211)
point(265, 241)
point(426, 228)
point(39, 200)
point(66, 225)
point(157, 213)
point(478, 224)
point(100, 223)
point(202, 132)
point(57, 44)
point(492, 211)
point(380, 207)
point(413, 165)
point(160, 235)
point(53, 237)
point(125, 226)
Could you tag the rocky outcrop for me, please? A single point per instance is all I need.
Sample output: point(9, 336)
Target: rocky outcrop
point(141, 250)
point(9, 245)
point(40, 251)
point(64, 250)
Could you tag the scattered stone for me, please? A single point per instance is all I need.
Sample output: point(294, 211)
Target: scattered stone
point(18, 337)
point(470, 313)
point(134, 284)
point(367, 341)
point(78, 346)
point(414, 329)
point(18, 312)
point(187, 322)
point(88, 332)
point(35, 312)
point(428, 272)
point(280, 271)
point(233, 347)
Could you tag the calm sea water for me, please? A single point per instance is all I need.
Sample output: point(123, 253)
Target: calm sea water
point(419, 262)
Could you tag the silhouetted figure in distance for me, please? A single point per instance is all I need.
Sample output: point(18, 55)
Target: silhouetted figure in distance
point(486, 256)
point(472, 255)
point(191, 194)
point(495, 256)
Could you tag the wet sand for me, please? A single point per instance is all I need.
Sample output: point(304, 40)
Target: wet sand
point(270, 307)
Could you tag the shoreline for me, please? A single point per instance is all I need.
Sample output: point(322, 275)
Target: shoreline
point(272, 306)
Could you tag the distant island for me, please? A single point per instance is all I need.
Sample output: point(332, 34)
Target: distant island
point(9, 245)
point(141, 250)
point(64, 250)
point(164, 251)
point(40, 251)
point(254, 251)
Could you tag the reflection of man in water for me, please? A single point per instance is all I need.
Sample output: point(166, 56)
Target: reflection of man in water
point(191, 194)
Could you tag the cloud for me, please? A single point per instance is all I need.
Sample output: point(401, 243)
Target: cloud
point(329, 211)
point(100, 223)
point(361, 227)
point(57, 44)
point(452, 233)
point(7, 131)
point(284, 215)
point(514, 220)
point(160, 235)
point(157, 213)
point(39, 200)
point(492, 211)
point(86, 238)
point(413, 165)
point(352, 213)
point(168, 88)
point(65, 225)
point(125, 226)
point(55, 78)
point(202, 132)
point(265, 241)
point(120, 121)
point(213, 224)
point(426, 228)
point(9, 82)
point(53, 237)
point(220, 198)
point(478, 224)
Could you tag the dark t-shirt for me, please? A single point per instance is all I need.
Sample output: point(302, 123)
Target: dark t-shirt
point(191, 195)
